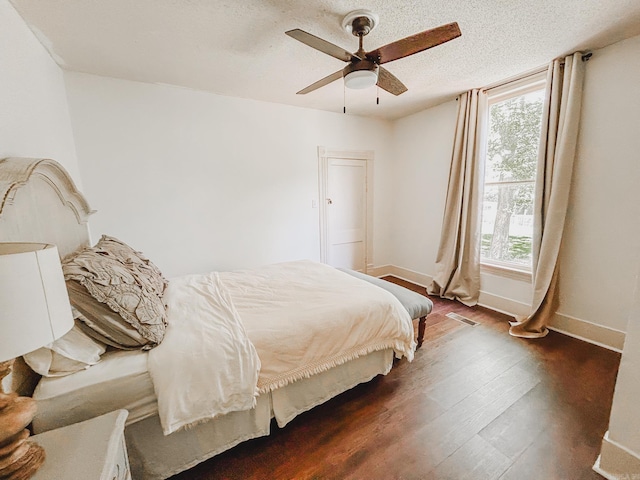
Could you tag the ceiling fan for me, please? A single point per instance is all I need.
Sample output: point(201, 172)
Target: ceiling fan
point(364, 68)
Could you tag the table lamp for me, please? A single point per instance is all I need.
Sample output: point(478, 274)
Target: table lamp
point(34, 311)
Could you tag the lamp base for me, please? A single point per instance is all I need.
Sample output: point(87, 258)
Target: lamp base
point(19, 458)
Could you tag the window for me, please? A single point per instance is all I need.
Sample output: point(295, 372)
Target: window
point(511, 156)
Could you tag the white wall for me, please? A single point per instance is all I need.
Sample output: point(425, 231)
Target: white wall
point(606, 197)
point(199, 181)
point(601, 246)
point(620, 453)
point(422, 150)
point(34, 117)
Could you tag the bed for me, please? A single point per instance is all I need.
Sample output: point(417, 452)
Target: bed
point(264, 308)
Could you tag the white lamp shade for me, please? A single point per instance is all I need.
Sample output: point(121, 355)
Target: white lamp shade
point(361, 79)
point(34, 304)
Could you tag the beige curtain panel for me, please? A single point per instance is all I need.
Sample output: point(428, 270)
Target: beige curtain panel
point(553, 182)
point(458, 261)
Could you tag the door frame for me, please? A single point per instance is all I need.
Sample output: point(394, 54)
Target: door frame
point(324, 155)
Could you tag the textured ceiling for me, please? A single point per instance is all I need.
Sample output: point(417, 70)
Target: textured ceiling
point(239, 49)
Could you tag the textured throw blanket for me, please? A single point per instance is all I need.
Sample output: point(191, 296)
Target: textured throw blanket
point(305, 317)
point(205, 366)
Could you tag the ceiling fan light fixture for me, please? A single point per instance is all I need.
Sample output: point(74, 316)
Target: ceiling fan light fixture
point(359, 79)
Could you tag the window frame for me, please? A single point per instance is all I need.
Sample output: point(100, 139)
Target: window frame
point(500, 93)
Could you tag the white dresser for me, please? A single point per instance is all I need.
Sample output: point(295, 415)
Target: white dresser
point(90, 450)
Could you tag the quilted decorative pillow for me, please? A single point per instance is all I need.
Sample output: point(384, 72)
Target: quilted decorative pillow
point(100, 322)
point(111, 274)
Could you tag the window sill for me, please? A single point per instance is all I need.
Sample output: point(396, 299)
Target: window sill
point(507, 272)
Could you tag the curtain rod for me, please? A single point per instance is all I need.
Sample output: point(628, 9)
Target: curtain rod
point(530, 73)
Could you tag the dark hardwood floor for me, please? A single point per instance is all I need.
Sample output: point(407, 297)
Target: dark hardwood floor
point(475, 403)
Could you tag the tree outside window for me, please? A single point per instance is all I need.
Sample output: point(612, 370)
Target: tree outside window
point(510, 170)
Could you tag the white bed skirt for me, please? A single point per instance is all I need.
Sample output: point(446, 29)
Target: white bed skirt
point(155, 456)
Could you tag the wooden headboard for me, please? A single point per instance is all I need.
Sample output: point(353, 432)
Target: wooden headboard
point(40, 203)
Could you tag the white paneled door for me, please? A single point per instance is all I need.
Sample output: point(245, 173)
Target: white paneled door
point(346, 213)
point(346, 208)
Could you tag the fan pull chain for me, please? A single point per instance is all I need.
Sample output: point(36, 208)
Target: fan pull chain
point(377, 95)
point(344, 98)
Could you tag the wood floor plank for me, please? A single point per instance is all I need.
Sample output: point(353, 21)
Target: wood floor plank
point(517, 428)
point(475, 460)
point(466, 348)
point(543, 459)
point(475, 403)
point(474, 375)
point(438, 326)
point(455, 427)
point(465, 419)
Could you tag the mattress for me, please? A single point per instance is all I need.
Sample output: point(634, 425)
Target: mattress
point(119, 380)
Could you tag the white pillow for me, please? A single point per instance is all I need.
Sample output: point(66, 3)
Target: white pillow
point(71, 353)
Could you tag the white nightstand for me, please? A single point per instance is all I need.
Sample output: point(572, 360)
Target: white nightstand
point(94, 449)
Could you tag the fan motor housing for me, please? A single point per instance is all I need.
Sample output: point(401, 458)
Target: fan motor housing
point(360, 65)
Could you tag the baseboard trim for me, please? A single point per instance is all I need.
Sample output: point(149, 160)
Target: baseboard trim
point(404, 274)
point(502, 304)
point(587, 331)
point(567, 325)
point(379, 271)
point(617, 462)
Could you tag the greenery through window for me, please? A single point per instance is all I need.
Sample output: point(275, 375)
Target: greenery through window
point(514, 122)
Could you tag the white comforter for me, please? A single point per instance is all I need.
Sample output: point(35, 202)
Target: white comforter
point(302, 317)
point(305, 317)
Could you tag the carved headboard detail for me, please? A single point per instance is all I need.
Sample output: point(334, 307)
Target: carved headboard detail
point(39, 202)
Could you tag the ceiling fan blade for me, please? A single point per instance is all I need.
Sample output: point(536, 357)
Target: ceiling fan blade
point(415, 43)
point(322, 45)
point(387, 81)
point(321, 83)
